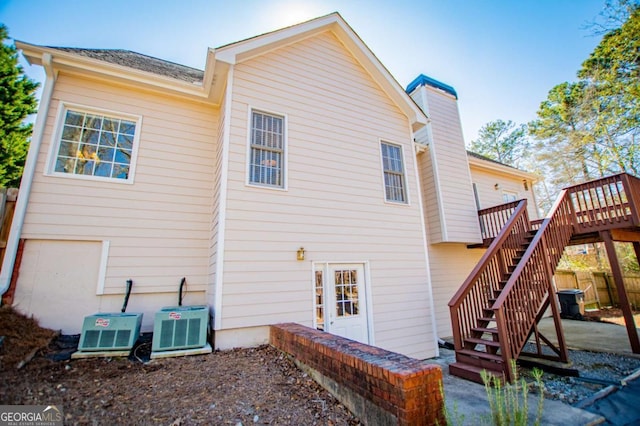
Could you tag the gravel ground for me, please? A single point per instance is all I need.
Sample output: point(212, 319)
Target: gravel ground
point(597, 370)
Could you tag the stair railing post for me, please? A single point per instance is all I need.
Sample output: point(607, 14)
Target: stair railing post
point(457, 336)
point(505, 344)
point(625, 305)
point(555, 309)
point(632, 195)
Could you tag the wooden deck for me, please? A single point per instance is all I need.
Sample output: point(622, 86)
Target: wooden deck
point(496, 311)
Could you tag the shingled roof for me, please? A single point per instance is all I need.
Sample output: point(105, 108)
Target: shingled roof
point(140, 62)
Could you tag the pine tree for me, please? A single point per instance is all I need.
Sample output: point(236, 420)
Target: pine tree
point(17, 101)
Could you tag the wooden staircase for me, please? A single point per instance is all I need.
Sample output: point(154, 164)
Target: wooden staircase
point(497, 309)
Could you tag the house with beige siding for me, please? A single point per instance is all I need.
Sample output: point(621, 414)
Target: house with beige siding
point(291, 180)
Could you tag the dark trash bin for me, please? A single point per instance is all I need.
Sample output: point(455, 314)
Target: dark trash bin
point(571, 303)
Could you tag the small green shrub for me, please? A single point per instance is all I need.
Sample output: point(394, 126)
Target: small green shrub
point(508, 402)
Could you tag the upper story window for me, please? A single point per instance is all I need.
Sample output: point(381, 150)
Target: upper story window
point(509, 196)
point(267, 142)
point(393, 167)
point(96, 145)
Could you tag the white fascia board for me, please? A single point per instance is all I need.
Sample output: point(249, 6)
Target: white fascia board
point(381, 75)
point(70, 61)
point(250, 48)
point(490, 165)
point(255, 46)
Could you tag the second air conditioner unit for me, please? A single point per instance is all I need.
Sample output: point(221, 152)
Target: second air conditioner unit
point(180, 327)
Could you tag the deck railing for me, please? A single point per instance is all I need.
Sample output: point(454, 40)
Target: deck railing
point(606, 203)
point(530, 284)
point(473, 296)
point(493, 219)
point(611, 202)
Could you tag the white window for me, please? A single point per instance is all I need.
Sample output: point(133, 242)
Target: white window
point(393, 168)
point(267, 150)
point(509, 196)
point(96, 144)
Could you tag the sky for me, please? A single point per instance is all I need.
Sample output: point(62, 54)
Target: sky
point(501, 56)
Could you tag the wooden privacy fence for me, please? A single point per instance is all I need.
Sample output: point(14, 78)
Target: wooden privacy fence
point(7, 207)
point(598, 287)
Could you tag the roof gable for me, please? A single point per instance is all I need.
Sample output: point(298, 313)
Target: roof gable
point(259, 45)
point(209, 85)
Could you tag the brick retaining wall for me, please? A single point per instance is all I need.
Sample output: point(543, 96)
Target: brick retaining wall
point(379, 386)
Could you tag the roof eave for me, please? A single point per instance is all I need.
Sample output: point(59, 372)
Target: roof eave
point(63, 60)
point(490, 165)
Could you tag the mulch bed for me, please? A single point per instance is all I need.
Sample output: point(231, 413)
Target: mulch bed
point(247, 386)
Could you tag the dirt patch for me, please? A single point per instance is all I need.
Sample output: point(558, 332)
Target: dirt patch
point(611, 315)
point(248, 386)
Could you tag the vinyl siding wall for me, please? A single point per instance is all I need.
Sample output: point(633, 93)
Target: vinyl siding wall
point(158, 227)
point(334, 206)
point(486, 179)
point(455, 218)
point(450, 265)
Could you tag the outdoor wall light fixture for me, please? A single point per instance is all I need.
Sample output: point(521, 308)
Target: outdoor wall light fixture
point(300, 253)
point(526, 185)
point(496, 186)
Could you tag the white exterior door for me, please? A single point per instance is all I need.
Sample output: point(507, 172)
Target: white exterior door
point(343, 304)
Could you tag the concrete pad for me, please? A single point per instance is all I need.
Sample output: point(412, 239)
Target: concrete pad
point(100, 354)
point(206, 349)
point(590, 335)
point(467, 402)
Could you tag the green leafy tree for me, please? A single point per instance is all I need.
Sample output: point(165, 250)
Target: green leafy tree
point(17, 101)
point(564, 140)
point(502, 141)
point(591, 128)
point(612, 72)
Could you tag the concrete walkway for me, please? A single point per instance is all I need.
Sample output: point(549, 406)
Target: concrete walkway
point(590, 336)
point(467, 401)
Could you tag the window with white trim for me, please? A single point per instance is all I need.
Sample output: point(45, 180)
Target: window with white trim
point(509, 196)
point(393, 168)
point(266, 162)
point(96, 144)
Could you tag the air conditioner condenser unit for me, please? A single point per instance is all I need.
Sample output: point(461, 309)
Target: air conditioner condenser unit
point(110, 332)
point(180, 327)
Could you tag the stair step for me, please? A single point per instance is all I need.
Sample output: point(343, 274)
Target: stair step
point(471, 372)
point(487, 330)
point(482, 342)
point(488, 311)
point(479, 354)
point(487, 319)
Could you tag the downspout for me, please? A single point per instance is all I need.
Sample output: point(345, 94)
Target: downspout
point(27, 176)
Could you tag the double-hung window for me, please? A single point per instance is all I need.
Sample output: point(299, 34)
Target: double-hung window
point(393, 168)
point(96, 144)
point(509, 196)
point(267, 150)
